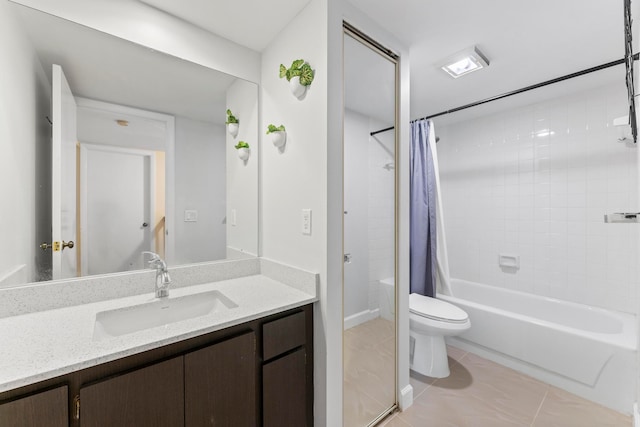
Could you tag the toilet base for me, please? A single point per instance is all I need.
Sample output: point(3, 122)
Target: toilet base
point(428, 355)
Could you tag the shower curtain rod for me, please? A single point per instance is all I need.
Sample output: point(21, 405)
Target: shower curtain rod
point(518, 91)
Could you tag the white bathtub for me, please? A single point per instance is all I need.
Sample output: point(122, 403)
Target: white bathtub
point(584, 350)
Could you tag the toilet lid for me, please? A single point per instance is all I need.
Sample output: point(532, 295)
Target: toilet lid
point(436, 309)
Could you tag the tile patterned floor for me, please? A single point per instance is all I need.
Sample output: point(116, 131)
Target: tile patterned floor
point(480, 393)
point(369, 371)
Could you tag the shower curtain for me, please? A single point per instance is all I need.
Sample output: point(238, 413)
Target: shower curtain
point(423, 210)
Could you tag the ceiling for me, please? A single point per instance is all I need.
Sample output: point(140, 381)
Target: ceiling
point(106, 68)
point(251, 23)
point(525, 42)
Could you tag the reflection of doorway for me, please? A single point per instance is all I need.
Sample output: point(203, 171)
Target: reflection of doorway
point(369, 231)
point(118, 211)
point(116, 126)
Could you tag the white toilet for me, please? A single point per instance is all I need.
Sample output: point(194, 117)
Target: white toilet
point(430, 320)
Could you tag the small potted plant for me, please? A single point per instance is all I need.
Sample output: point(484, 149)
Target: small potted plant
point(278, 135)
point(299, 76)
point(233, 124)
point(243, 150)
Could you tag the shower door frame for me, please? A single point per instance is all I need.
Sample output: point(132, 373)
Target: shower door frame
point(351, 31)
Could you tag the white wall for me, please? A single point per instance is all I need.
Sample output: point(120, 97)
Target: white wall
point(157, 30)
point(543, 198)
point(242, 177)
point(200, 164)
point(381, 201)
point(25, 211)
point(295, 179)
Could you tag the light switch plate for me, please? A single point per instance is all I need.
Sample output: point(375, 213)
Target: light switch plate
point(234, 217)
point(306, 222)
point(190, 215)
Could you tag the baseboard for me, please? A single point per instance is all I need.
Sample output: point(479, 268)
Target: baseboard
point(406, 398)
point(359, 318)
point(636, 415)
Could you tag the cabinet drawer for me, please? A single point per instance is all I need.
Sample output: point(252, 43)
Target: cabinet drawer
point(282, 335)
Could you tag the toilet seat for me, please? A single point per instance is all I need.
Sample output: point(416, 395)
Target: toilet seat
point(435, 309)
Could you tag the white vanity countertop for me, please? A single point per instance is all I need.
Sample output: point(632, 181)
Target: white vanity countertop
point(46, 344)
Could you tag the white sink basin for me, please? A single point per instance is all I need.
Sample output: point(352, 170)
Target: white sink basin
point(160, 312)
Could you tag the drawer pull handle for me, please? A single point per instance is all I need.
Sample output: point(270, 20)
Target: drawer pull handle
point(76, 407)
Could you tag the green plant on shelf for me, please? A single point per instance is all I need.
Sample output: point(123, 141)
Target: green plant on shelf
point(241, 144)
point(231, 118)
point(273, 128)
point(299, 68)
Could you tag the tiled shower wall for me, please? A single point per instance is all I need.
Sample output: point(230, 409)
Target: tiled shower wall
point(536, 182)
point(381, 160)
point(369, 201)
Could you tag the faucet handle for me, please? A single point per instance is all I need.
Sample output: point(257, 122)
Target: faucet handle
point(156, 260)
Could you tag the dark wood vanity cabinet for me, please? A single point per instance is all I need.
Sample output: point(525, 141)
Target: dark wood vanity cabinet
point(284, 391)
point(284, 372)
point(220, 384)
point(253, 374)
point(31, 410)
point(152, 396)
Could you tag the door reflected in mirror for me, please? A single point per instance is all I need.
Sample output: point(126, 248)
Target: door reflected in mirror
point(130, 154)
point(369, 291)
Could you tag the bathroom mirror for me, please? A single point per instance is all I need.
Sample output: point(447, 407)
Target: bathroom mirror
point(148, 164)
point(369, 292)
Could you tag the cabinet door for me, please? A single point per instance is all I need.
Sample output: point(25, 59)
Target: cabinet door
point(48, 408)
point(151, 396)
point(220, 384)
point(284, 388)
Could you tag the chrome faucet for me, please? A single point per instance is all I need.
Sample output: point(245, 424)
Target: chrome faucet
point(163, 280)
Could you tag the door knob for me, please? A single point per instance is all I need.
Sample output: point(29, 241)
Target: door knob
point(56, 245)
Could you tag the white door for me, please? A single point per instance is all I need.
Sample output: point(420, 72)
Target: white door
point(63, 180)
point(117, 196)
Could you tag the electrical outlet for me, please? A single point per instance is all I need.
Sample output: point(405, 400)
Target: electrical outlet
point(306, 222)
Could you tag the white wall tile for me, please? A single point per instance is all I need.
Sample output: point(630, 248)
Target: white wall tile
point(544, 198)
